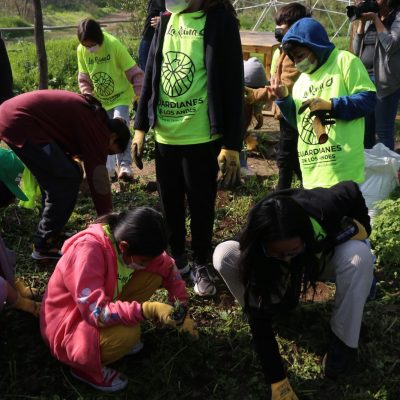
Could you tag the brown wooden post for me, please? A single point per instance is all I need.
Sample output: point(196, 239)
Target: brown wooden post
point(40, 46)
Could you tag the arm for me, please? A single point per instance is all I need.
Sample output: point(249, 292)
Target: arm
point(266, 346)
point(164, 266)
point(390, 39)
point(135, 76)
point(354, 106)
point(85, 83)
point(84, 278)
point(288, 110)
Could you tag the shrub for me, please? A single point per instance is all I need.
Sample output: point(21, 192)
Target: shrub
point(385, 238)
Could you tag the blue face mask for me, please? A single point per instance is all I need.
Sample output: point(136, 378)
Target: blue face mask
point(306, 66)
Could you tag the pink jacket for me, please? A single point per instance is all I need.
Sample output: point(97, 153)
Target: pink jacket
point(78, 299)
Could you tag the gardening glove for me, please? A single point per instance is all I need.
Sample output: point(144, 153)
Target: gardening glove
point(25, 291)
point(249, 95)
point(283, 391)
point(316, 104)
point(362, 232)
point(137, 148)
point(190, 327)
point(229, 169)
point(27, 305)
point(159, 312)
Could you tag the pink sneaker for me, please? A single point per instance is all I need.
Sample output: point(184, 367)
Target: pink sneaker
point(112, 380)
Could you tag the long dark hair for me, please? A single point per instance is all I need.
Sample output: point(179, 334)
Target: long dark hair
point(277, 217)
point(142, 228)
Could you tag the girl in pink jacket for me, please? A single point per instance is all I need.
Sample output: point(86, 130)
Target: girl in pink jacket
point(97, 295)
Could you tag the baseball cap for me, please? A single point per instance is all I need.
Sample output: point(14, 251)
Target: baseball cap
point(11, 168)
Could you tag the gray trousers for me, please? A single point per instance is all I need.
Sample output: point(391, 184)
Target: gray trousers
point(350, 266)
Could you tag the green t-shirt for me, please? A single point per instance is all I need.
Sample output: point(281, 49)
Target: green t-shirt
point(342, 156)
point(106, 69)
point(124, 273)
point(182, 109)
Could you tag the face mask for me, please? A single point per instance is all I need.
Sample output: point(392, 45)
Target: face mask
point(279, 34)
point(306, 66)
point(176, 6)
point(93, 49)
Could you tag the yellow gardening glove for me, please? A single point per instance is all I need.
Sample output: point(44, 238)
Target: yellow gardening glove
point(229, 169)
point(362, 232)
point(158, 312)
point(249, 95)
point(283, 391)
point(137, 148)
point(190, 327)
point(25, 291)
point(27, 305)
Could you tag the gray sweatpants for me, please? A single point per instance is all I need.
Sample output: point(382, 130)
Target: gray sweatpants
point(350, 266)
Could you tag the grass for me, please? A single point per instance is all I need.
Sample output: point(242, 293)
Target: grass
point(221, 365)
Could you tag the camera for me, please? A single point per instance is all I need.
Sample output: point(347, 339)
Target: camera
point(354, 12)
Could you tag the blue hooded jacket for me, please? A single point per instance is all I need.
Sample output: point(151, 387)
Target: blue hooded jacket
point(310, 33)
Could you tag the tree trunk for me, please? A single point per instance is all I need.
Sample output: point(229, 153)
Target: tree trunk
point(40, 47)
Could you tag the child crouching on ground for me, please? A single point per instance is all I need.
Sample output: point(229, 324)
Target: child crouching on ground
point(99, 291)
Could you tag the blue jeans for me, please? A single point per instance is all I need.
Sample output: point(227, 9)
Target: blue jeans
point(124, 158)
point(385, 116)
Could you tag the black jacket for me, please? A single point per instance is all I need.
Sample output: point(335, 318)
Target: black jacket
point(154, 9)
point(6, 79)
point(225, 81)
point(328, 207)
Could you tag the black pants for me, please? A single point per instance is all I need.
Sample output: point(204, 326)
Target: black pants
point(59, 178)
point(287, 158)
point(188, 171)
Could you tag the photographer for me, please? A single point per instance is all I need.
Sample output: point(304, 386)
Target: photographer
point(377, 43)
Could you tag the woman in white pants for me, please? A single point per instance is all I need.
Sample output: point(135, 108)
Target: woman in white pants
point(292, 239)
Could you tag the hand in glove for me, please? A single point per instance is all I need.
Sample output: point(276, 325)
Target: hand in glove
point(137, 148)
point(362, 232)
point(159, 312)
point(27, 305)
point(229, 167)
point(249, 95)
point(283, 391)
point(189, 326)
point(316, 104)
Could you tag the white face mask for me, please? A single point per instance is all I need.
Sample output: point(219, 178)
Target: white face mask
point(93, 49)
point(176, 6)
point(306, 66)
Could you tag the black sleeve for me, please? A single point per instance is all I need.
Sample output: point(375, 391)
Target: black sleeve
point(266, 346)
point(226, 79)
point(6, 80)
point(348, 197)
point(142, 113)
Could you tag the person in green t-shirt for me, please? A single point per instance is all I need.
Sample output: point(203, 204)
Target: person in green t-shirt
point(328, 104)
point(193, 99)
point(108, 72)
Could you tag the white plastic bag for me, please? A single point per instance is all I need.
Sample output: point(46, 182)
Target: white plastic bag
point(381, 175)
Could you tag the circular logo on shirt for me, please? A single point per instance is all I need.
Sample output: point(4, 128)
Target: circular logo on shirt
point(307, 133)
point(103, 84)
point(177, 73)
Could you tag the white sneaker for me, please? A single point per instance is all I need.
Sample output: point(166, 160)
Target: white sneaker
point(203, 281)
point(125, 173)
point(112, 380)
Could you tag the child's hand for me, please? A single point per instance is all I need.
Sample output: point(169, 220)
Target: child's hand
point(159, 312)
point(277, 90)
point(249, 95)
point(190, 327)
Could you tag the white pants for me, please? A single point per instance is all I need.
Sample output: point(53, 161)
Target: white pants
point(350, 266)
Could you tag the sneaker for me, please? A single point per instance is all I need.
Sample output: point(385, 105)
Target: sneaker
point(125, 173)
point(46, 254)
point(203, 281)
point(112, 380)
point(135, 349)
point(338, 360)
point(182, 264)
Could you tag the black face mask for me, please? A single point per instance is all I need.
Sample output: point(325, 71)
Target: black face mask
point(279, 34)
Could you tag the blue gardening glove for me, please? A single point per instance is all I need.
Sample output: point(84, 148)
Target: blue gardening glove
point(229, 169)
